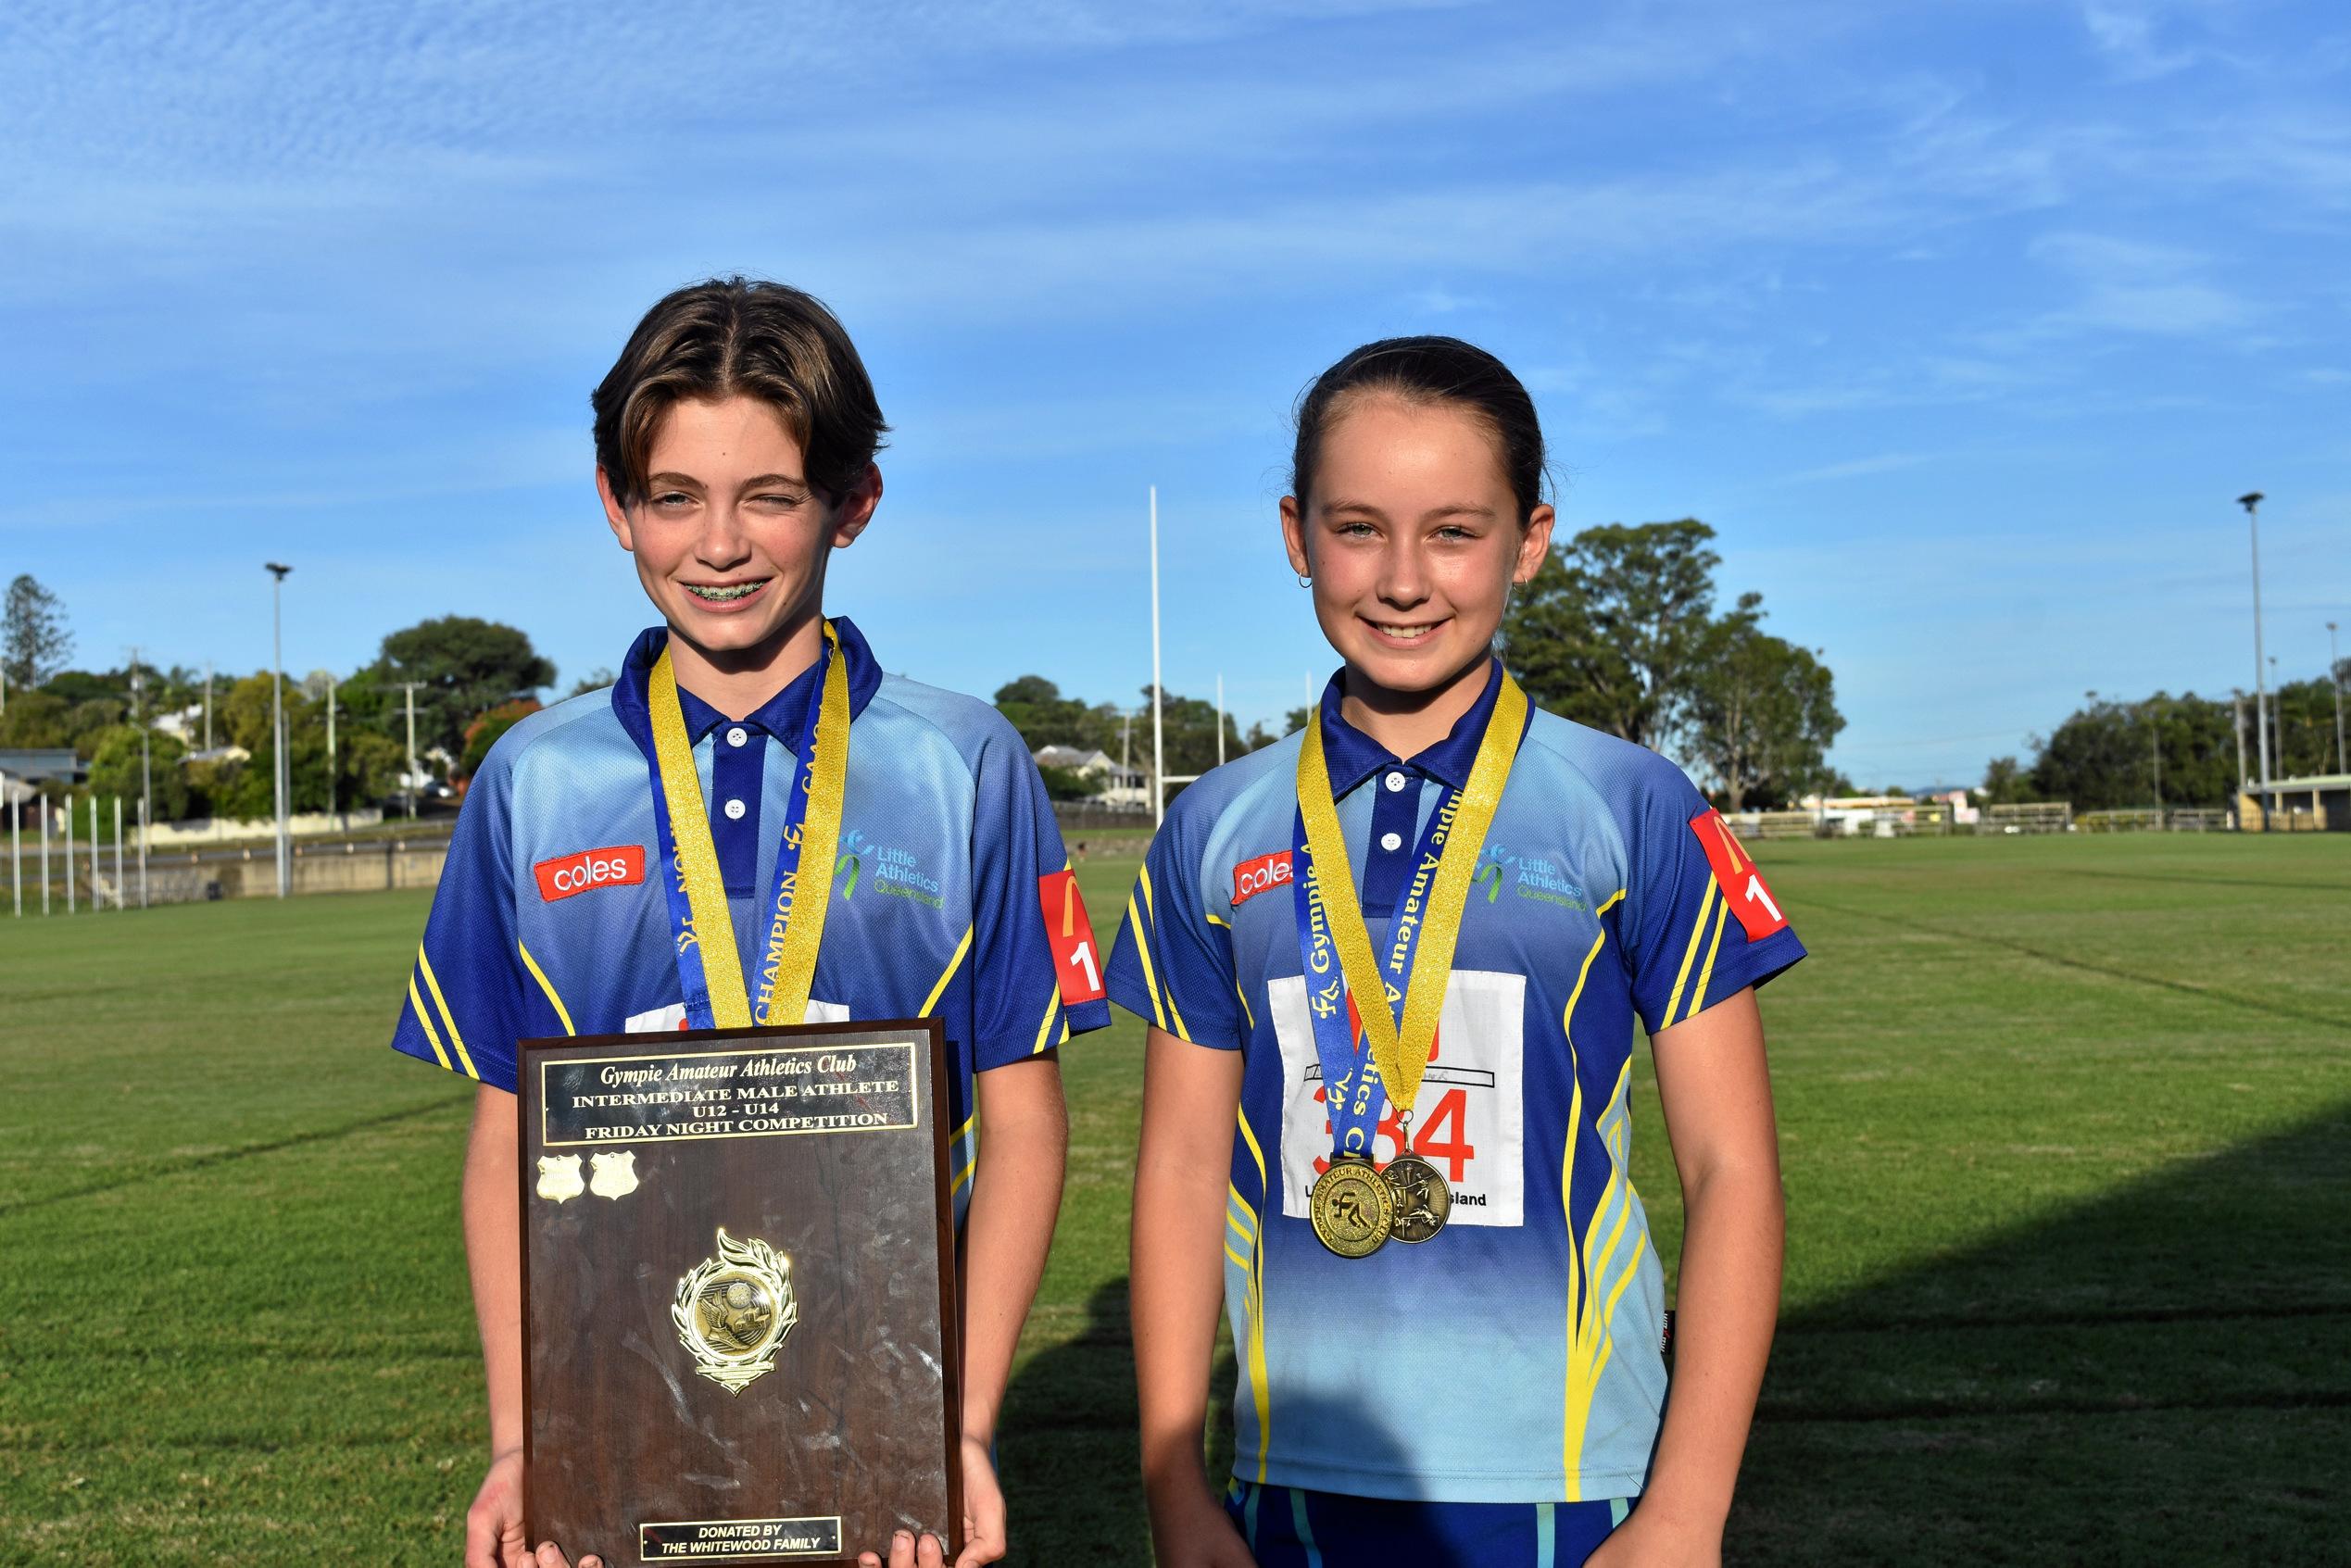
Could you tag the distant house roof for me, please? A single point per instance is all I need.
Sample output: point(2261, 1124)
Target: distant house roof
point(36, 764)
point(1094, 765)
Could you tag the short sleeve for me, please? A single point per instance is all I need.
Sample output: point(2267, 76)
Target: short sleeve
point(1035, 970)
point(1702, 922)
point(469, 998)
point(1172, 967)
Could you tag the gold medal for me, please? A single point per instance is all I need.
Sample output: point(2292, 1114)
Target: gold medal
point(1422, 1197)
point(1351, 1207)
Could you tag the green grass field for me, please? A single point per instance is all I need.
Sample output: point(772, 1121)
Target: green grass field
point(2066, 1127)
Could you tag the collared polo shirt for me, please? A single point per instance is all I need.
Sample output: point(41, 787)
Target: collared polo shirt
point(1515, 1357)
point(951, 893)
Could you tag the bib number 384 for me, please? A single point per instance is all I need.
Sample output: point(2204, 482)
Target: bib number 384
point(1738, 877)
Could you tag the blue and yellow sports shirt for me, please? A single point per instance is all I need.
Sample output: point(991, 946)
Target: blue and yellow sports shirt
point(951, 897)
point(1515, 1356)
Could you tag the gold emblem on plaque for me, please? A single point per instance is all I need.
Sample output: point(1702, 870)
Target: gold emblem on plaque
point(560, 1176)
point(1353, 1207)
point(615, 1173)
point(733, 1309)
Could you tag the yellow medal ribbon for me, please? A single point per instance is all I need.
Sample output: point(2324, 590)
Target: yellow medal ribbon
point(1401, 1054)
point(796, 923)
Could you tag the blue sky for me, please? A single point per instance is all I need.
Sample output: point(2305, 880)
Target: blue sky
point(1962, 323)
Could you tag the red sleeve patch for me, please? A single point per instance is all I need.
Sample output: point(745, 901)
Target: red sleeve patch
point(1742, 884)
point(1075, 958)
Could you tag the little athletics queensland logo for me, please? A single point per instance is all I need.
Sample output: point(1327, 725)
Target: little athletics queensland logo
point(1528, 876)
point(893, 873)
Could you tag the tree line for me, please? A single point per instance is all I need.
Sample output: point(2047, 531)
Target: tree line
point(474, 679)
point(1619, 630)
point(2116, 753)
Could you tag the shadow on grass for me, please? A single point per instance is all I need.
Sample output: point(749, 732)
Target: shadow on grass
point(2157, 1375)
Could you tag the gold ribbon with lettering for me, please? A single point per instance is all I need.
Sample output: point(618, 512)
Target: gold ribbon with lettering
point(1401, 1053)
point(796, 923)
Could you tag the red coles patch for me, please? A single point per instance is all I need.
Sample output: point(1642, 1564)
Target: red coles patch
point(1075, 959)
point(1741, 883)
point(567, 874)
point(1261, 875)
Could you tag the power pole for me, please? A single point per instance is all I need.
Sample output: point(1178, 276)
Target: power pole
point(2335, 677)
point(277, 725)
point(146, 778)
point(335, 796)
point(409, 688)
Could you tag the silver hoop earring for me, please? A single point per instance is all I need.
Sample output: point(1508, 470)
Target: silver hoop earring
point(1305, 580)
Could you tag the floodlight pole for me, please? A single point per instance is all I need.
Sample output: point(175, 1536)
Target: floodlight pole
point(1159, 758)
point(208, 705)
point(2334, 678)
point(146, 778)
point(277, 722)
point(2250, 501)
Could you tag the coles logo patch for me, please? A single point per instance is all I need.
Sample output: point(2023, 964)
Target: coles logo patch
point(1741, 883)
point(1261, 875)
point(568, 875)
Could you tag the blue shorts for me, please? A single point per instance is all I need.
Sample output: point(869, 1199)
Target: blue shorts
point(1286, 1527)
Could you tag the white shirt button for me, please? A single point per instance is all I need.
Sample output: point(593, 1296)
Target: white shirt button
point(1395, 782)
point(738, 735)
point(1391, 842)
point(734, 811)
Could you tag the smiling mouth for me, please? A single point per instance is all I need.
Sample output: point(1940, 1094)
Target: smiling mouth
point(725, 593)
point(1405, 634)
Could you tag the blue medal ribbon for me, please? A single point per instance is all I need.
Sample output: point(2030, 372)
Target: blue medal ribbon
point(1351, 1083)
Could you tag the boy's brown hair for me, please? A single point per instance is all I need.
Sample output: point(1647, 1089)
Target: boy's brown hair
point(747, 338)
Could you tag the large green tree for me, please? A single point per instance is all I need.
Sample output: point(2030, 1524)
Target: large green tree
point(1759, 712)
point(466, 667)
point(2111, 754)
point(1609, 628)
point(34, 642)
point(1036, 707)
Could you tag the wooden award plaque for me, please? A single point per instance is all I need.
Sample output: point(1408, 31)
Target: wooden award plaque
point(739, 1326)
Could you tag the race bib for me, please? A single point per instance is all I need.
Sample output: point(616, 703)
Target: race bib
point(1468, 1121)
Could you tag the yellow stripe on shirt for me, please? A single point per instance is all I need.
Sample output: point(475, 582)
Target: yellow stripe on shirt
point(448, 1017)
point(1143, 950)
point(1173, 1012)
point(1689, 954)
point(1045, 1028)
point(1706, 975)
point(947, 974)
point(547, 985)
point(425, 1018)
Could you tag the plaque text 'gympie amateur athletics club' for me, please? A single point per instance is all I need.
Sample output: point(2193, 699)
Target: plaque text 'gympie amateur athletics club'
point(739, 1314)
